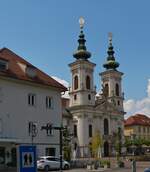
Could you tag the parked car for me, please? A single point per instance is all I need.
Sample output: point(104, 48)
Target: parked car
point(147, 170)
point(49, 162)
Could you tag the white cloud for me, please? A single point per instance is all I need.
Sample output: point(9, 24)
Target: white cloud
point(63, 82)
point(139, 106)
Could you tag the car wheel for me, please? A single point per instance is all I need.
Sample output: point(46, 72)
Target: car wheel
point(47, 168)
point(66, 167)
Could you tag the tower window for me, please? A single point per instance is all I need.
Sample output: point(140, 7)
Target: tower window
point(89, 96)
point(117, 90)
point(88, 84)
point(75, 97)
point(106, 127)
point(106, 90)
point(90, 130)
point(75, 130)
point(76, 82)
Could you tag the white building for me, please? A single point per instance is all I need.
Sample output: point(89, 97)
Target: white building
point(91, 113)
point(29, 99)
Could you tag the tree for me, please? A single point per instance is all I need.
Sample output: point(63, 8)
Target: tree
point(66, 144)
point(96, 144)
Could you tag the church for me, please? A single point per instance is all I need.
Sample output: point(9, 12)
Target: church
point(89, 112)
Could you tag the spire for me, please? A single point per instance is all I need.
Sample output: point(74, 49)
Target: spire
point(81, 52)
point(110, 63)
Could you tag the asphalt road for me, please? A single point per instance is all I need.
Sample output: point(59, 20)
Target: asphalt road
point(140, 168)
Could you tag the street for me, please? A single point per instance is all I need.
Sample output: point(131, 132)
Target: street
point(140, 168)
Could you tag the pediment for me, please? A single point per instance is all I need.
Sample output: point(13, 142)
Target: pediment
point(104, 106)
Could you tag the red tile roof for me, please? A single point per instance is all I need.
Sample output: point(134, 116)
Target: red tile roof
point(138, 119)
point(15, 71)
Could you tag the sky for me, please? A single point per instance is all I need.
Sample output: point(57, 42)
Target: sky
point(45, 33)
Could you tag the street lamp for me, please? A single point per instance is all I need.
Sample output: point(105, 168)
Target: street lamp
point(133, 153)
point(49, 128)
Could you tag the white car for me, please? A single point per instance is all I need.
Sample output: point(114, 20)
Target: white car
point(49, 162)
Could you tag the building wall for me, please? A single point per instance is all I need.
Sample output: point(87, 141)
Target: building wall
point(15, 113)
point(139, 131)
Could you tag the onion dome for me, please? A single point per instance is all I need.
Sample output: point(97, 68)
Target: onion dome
point(110, 63)
point(81, 52)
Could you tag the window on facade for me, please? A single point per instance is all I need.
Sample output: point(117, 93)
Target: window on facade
point(148, 129)
point(106, 127)
point(75, 130)
point(89, 96)
point(75, 97)
point(31, 99)
point(88, 82)
point(3, 64)
point(143, 129)
point(76, 82)
point(106, 90)
point(90, 130)
point(117, 90)
point(49, 102)
point(118, 102)
point(32, 128)
point(75, 146)
point(139, 129)
point(50, 151)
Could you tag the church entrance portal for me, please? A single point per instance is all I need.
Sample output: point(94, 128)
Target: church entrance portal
point(106, 149)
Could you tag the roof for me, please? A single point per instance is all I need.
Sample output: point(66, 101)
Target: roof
point(137, 119)
point(15, 70)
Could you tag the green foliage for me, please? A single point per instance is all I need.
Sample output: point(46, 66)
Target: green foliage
point(66, 144)
point(136, 142)
point(96, 144)
point(118, 142)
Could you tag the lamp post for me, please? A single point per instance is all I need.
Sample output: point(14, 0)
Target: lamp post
point(133, 153)
point(48, 129)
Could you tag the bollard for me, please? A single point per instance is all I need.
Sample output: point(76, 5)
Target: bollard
point(133, 165)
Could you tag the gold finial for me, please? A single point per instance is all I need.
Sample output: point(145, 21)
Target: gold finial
point(81, 22)
point(110, 36)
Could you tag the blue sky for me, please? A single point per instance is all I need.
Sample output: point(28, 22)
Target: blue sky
point(45, 33)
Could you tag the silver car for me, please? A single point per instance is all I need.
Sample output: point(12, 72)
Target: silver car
point(49, 162)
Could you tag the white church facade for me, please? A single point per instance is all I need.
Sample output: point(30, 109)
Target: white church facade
point(91, 113)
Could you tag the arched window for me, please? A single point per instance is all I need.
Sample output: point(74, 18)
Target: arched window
point(90, 130)
point(106, 90)
point(117, 90)
point(76, 82)
point(75, 130)
point(88, 82)
point(106, 127)
point(89, 96)
point(75, 146)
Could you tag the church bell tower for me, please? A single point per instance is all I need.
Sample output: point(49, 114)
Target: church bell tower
point(82, 91)
point(111, 79)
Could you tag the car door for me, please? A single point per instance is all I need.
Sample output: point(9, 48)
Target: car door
point(51, 162)
point(57, 161)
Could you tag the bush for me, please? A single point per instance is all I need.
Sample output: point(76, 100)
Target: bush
point(120, 164)
point(104, 163)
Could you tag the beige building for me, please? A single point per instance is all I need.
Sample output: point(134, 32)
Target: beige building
point(137, 125)
point(90, 112)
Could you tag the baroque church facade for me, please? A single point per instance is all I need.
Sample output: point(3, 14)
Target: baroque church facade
point(91, 113)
